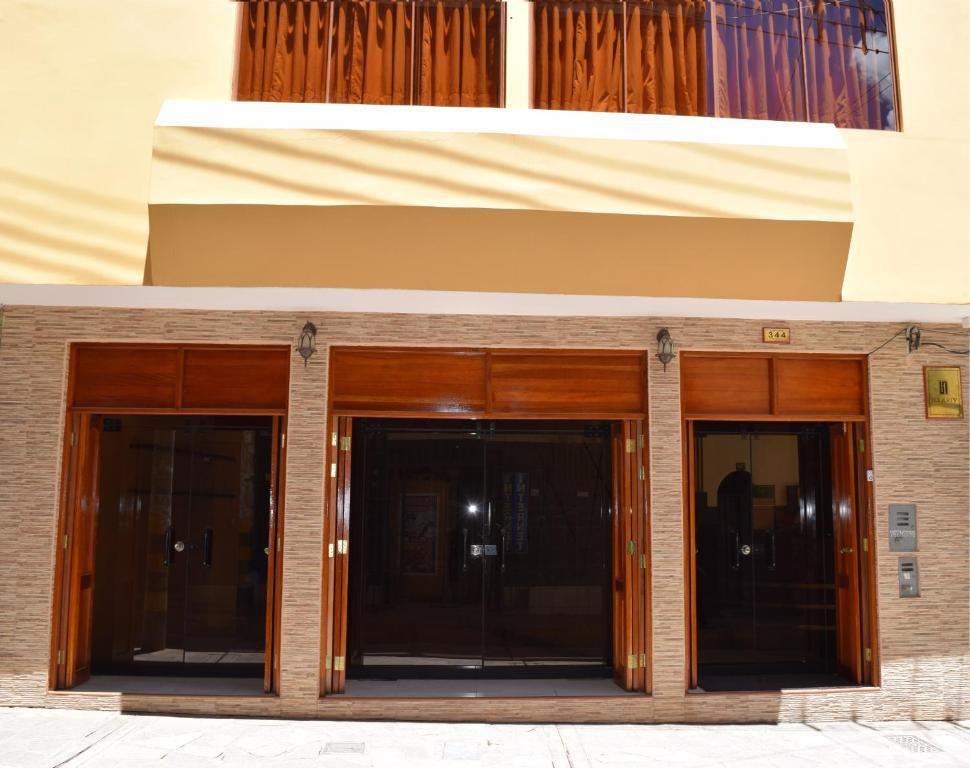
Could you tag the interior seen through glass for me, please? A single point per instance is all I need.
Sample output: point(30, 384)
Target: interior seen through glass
point(480, 549)
point(180, 577)
point(766, 607)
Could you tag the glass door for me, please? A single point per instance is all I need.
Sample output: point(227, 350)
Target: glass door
point(182, 541)
point(763, 534)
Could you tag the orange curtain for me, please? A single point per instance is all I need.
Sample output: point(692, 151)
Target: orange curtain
point(759, 60)
point(578, 55)
point(371, 54)
point(460, 53)
point(282, 51)
point(667, 57)
point(850, 79)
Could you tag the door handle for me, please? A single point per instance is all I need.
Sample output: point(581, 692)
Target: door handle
point(169, 535)
point(207, 547)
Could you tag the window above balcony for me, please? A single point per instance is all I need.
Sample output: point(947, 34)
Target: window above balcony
point(828, 61)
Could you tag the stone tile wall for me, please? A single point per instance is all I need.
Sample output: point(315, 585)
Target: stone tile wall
point(925, 643)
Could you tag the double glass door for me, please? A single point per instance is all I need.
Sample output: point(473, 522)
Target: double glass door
point(765, 554)
point(182, 545)
point(480, 548)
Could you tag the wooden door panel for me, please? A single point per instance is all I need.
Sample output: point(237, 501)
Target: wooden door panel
point(564, 383)
point(808, 387)
point(407, 381)
point(845, 528)
point(129, 376)
point(235, 378)
point(726, 386)
point(81, 554)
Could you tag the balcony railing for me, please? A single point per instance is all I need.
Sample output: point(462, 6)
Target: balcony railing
point(825, 61)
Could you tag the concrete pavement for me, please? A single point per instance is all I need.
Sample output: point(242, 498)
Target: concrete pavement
point(38, 738)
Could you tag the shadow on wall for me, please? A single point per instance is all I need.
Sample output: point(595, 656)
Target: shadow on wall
point(56, 233)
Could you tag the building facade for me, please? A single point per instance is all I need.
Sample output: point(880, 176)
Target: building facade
point(523, 361)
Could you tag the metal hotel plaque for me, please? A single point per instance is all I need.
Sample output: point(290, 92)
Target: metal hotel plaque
point(944, 392)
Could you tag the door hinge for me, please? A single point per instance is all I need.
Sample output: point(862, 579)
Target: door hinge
point(643, 661)
point(343, 546)
point(344, 443)
point(631, 661)
point(631, 446)
point(73, 439)
point(333, 469)
point(642, 474)
point(330, 550)
point(279, 543)
point(640, 441)
point(867, 654)
point(327, 662)
point(865, 544)
point(631, 547)
point(643, 560)
point(283, 440)
point(862, 445)
point(66, 539)
point(338, 663)
point(333, 439)
point(845, 428)
point(60, 657)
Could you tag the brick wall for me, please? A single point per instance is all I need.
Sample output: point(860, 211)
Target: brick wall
point(925, 643)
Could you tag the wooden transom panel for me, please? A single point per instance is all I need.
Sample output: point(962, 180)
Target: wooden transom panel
point(482, 383)
point(173, 377)
point(757, 386)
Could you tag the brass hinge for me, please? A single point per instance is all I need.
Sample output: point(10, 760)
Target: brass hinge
point(642, 473)
point(643, 661)
point(327, 662)
point(66, 539)
point(333, 469)
point(338, 663)
point(631, 661)
point(631, 446)
point(862, 445)
point(344, 443)
point(333, 439)
point(631, 547)
point(330, 550)
point(60, 657)
point(640, 441)
point(343, 546)
point(279, 543)
point(283, 440)
point(865, 545)
point(868, 654)
point(845, 428)
point(73, 439)
point(643, 560)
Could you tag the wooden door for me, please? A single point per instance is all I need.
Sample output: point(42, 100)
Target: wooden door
point(845, 529)
point(337, 547)
point(630, 558)
point(80, 545)
point(274, 563)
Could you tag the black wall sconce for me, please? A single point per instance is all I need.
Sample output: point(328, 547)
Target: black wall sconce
point(307, 344)
point(665, 347)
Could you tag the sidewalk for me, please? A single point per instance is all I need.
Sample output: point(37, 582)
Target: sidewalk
point(37, 738)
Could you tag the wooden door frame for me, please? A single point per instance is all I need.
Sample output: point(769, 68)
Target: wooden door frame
point(860, 459)
point(76, 415)
point(336, 503)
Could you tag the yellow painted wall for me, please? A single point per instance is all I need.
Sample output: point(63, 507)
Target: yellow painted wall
point(84, 81)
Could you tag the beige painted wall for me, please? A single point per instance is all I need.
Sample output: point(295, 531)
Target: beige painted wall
point(90, 78)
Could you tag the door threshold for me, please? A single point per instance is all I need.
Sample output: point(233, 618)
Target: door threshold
point(479, 689)
point(172, 686)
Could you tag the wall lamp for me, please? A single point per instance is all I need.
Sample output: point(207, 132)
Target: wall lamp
point(665, 347)
point(307, 344)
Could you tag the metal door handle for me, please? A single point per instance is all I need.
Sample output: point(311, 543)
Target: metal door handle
point(745, 549)
point(179, 546)
point(207, 547)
